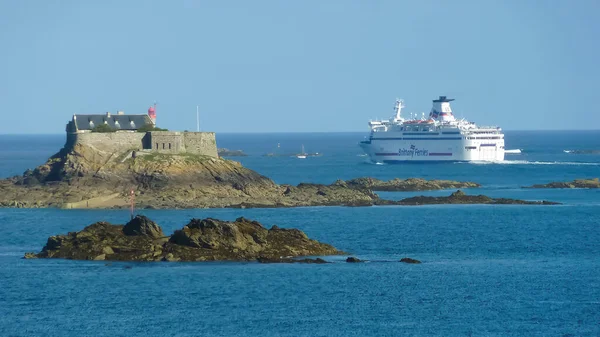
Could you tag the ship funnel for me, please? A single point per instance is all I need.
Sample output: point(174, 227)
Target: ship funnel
point(441, 109)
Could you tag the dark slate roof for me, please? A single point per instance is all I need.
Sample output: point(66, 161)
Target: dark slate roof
point(443, 99)
point(119, 122)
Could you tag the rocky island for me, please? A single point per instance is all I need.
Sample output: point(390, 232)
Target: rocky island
point(577, 183)
point(89, 177)
point(155, 168)
point(459, 197)
point(200, 240)
point(400, 185)
point(223, 152)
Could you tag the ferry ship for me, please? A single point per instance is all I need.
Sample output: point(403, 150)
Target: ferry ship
point(439, 137)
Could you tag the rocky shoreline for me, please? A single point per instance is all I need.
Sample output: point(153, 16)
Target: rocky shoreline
point(577, 183)
point(224, 152)
point(87, 177)
point(460, 198)
point(411, 184)
point(141, 239)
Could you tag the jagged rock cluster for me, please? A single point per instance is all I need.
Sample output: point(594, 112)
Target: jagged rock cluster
point(200, 240)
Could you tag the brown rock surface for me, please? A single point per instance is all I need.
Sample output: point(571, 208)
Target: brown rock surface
point(199, 240)
point(88, 177)
point(411, 184)
point(577, 183)
point(459, 197)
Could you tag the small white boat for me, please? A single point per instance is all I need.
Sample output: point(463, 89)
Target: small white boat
point(301, 155)
point(515, 151)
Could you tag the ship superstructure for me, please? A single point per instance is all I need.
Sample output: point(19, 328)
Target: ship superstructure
point(438, 137)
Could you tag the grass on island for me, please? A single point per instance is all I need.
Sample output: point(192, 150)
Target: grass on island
point(166, 157)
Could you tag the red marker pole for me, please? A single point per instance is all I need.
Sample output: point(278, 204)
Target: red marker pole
point(132, 199)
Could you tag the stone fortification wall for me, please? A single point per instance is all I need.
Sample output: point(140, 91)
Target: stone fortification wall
point(204, 143)
point(165, 142)
point(108, 141)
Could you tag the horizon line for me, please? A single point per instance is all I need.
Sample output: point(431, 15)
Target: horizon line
point(289, 132)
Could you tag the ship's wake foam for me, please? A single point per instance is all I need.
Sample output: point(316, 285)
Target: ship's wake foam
point(527, 162)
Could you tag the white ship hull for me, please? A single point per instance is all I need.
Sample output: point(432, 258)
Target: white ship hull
point(440, 137)
point(401, 148)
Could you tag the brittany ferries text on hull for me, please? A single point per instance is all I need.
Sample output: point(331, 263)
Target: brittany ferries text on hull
point(441, 137)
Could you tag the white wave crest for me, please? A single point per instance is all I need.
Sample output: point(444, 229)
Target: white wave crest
point(527, 162)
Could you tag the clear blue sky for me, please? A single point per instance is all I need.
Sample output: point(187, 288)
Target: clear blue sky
point(320, 65)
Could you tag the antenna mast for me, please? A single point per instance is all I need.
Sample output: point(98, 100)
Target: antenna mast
point(398, 108)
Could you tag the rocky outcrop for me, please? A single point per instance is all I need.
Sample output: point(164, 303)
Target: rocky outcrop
point(577, 183)
point(409, 260)
point(141, 225)
point(200, 240)
point(459, 197)
point(89, 177)
point(352, 259)
point(411, 184)
point(230, 153)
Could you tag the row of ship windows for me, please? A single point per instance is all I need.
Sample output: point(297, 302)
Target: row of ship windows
point(428, 129)
point(475, 147)
point(484, 137)
point(416, 128)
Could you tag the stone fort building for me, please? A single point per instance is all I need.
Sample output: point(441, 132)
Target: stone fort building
point(126, 136)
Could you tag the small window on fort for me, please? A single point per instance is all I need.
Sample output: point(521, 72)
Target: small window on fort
point(157, 146)
point(163, 146)
point(169, 146)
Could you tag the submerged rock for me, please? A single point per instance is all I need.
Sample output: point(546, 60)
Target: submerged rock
point(459, 197)
point(263, 259)
point(410, 184)
point(577, 183)
point(409, 260)
point(200, 240)
point(352, 259)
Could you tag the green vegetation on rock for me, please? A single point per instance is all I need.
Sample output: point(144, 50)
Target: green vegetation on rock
point(150, 127)
point(103, 128)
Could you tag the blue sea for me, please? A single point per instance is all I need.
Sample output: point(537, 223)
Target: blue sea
point(488, 270)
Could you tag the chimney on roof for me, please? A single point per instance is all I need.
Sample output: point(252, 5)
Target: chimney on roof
point(107, 114)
